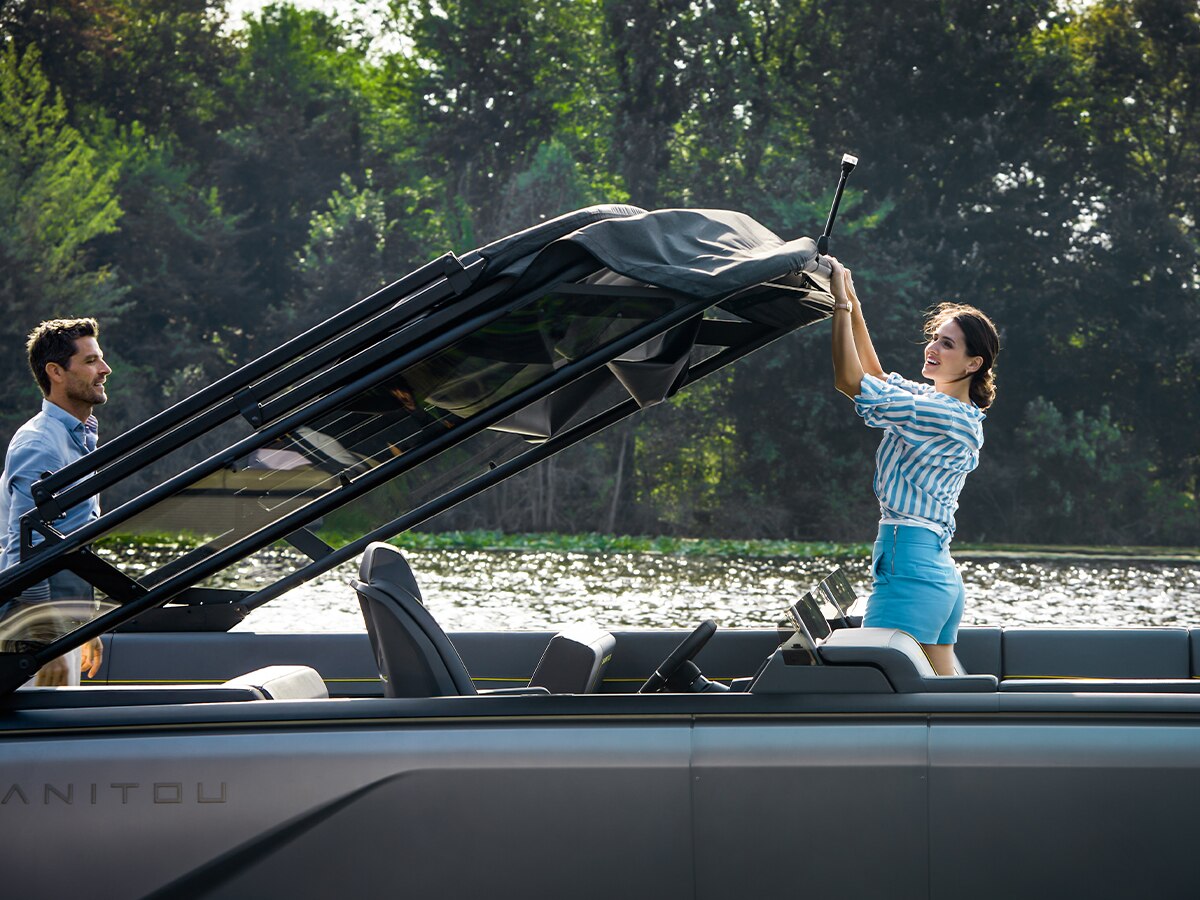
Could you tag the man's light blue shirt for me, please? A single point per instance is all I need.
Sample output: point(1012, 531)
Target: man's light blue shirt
point(46, 443)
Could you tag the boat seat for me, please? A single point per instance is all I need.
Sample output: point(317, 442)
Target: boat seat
point(978, 650)
point(840, 595)
point(899, 657)
point(1101, 685)
point(269, 683)
point(417, 659)
point(1057, 653)
point(283, 683)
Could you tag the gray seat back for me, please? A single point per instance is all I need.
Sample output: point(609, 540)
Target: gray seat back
point(575, 660)
point(1097, 653)
point(415, 657)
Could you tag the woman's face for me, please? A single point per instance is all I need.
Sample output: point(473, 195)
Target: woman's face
point(946, 358)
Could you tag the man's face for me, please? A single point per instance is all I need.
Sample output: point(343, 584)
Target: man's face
point(86, 372)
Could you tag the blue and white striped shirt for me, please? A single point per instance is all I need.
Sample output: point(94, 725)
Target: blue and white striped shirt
point(930, 444)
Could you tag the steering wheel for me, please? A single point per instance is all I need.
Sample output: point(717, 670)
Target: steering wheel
point(692, 644)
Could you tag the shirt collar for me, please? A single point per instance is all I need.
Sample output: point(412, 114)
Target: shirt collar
point(54, 411)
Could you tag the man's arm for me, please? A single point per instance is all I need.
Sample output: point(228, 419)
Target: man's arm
point(27, 461)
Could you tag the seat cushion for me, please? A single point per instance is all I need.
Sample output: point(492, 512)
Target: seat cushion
point(1101, 685)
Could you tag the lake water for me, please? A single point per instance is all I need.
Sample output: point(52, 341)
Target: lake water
point(503, 590)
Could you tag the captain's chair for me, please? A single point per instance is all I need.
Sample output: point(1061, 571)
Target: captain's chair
point(416, 658)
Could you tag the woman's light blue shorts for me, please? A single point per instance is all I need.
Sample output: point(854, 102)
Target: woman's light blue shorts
point(916, 585)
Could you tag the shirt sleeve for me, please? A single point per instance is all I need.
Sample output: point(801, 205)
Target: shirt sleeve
point(905, 408)
point(26, 463)
point(899, 381)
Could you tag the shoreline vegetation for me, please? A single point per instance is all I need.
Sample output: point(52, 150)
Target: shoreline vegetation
point(674, 546)
point(497, 541)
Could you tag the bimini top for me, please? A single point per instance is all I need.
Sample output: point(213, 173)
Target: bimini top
point(437, 387)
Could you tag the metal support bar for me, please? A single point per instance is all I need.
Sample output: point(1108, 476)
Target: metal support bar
point(169, 429)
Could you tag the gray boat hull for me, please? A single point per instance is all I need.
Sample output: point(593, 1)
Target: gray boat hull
point(932, 795)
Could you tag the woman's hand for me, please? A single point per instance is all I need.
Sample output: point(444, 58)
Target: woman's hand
point(851, 293)
point(839, 281)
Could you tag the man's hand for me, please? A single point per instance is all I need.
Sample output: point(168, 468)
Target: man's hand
point(93, 655)
point(54, 673)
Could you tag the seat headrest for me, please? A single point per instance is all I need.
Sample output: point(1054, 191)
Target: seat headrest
point(383, 562)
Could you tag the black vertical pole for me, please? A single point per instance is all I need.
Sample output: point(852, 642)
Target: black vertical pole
point(848, 164)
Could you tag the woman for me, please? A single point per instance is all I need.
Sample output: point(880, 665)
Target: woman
point(932, 435)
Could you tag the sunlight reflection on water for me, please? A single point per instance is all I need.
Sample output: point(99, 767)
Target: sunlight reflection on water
point(500, 590)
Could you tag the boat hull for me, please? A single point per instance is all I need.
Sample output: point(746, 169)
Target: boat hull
point(933, 795)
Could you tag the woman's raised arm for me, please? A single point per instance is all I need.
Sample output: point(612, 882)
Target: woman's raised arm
point(847, 368)
point(862, 337)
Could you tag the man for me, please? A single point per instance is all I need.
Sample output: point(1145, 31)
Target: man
point(69, 367)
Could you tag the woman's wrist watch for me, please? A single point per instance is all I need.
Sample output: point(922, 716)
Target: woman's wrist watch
point(846, 305)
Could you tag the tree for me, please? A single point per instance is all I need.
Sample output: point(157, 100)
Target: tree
point(1134, 89)
point(296, 126)
point(490, 83)
point(345, 257)
point(156, 62)
point(55, 201)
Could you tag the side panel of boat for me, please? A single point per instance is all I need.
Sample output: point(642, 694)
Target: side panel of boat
point(1062, 810)
point(811, 809)
point(452, 811)
point(980, 802)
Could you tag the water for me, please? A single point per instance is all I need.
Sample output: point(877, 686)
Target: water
point(474, 590)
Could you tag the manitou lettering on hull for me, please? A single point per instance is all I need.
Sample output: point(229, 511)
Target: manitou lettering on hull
point(121, 793)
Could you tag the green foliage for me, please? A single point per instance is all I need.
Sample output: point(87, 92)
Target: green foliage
point(687, 481)
point(552, 185)
point(514, 70)
point(1078, 463)
point(55, 200)
point(157, 62)
point(345, 255)
point(211, 190)
point(298, 111)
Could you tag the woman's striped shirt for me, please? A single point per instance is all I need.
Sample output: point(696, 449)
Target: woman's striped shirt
point(931, 442)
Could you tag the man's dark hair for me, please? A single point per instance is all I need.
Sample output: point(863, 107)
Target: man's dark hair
point(53, 341)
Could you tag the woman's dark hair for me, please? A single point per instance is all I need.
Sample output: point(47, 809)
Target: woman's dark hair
point(982, 340)
point(53, 341)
